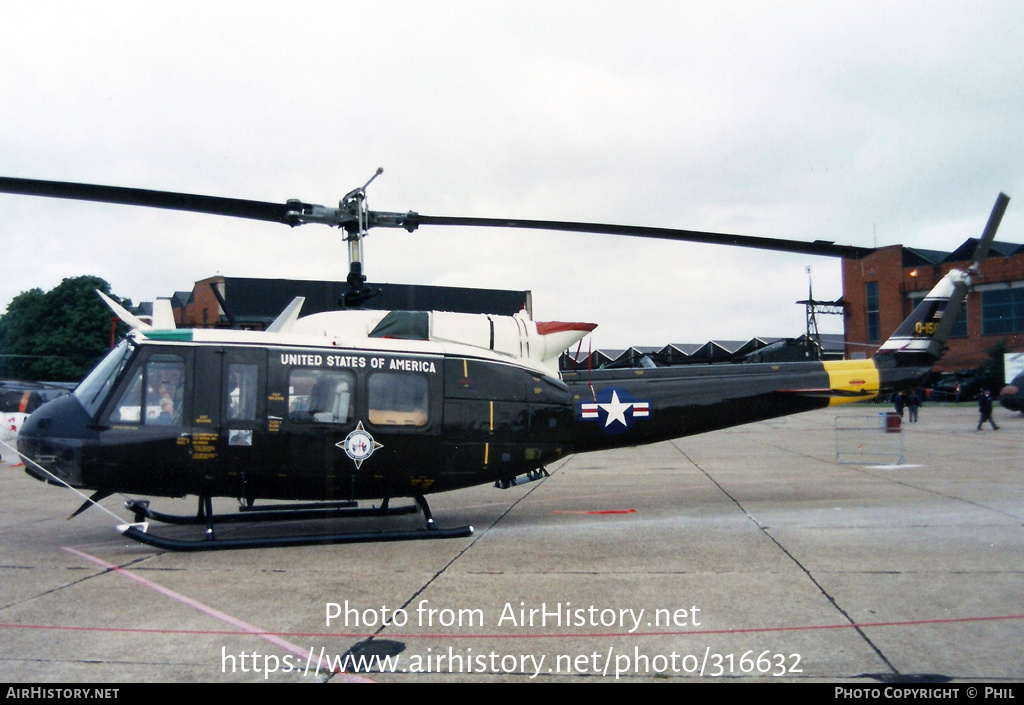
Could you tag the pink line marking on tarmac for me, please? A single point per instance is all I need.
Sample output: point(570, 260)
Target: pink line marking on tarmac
point(244, 627)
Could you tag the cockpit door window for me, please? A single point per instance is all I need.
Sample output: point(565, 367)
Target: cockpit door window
point(240, 391)
point(155, 395)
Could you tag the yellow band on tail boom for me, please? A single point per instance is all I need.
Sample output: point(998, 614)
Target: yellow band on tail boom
point(852, 380)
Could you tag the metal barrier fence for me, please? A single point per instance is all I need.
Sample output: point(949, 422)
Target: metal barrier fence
point(874, 440)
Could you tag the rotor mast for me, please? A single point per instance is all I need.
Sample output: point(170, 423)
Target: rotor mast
point(354, 216)
point(355, 202)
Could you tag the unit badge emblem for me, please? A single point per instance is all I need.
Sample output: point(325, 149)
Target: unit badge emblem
point(359, 445)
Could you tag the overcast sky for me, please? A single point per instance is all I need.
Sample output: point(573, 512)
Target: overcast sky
point(859, 122)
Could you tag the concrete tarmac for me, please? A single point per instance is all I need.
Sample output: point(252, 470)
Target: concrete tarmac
point(749, 554)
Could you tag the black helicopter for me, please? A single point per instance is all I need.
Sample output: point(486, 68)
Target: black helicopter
point(1012, 395)
point(355, 404)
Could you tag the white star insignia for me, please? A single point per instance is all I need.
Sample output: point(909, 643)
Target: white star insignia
point(616, 410)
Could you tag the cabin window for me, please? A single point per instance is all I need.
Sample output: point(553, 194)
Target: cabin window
point(398, 399)
point(240, 402)
point(155, 395)
point(320, 396)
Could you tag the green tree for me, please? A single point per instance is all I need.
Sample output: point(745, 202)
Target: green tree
point(56, 336)
point(992, 371)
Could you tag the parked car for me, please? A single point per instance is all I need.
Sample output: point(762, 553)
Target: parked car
point(959, 386)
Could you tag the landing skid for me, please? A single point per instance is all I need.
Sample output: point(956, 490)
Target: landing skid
point(139, 530)
point(280, 512)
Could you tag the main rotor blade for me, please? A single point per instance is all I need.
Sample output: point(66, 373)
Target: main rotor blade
point(824, 248)
point(296, 212)
point(236, 207)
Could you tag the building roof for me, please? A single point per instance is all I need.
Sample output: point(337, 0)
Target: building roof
point(913, 256)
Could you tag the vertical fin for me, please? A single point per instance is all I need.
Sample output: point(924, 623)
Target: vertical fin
point(919, 339)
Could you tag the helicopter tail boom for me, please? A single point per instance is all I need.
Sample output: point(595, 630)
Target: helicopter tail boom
point(631, 407)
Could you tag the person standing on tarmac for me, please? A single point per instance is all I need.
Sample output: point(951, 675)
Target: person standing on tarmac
point(985, 410)
point(913, 402)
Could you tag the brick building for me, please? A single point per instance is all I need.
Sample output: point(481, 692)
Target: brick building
point(882, 288)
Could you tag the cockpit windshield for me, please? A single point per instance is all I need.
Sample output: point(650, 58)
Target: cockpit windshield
point(94, 388)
